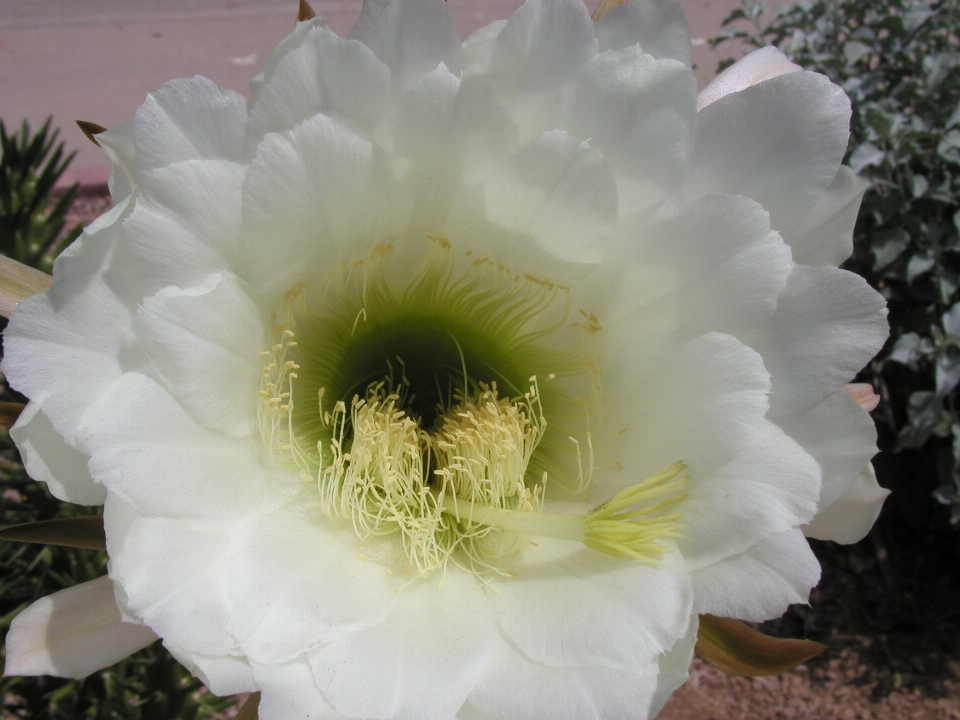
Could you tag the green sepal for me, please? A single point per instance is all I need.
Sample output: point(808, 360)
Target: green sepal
point(737, 649)
point(79, 532)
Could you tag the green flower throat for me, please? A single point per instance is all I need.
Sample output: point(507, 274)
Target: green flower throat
point(438, 412)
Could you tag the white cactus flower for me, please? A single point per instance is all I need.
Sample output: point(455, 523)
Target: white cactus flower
point(455, 379)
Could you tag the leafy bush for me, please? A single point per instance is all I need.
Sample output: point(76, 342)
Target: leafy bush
point(899, 61)
point(149, 685)
point(30, 166)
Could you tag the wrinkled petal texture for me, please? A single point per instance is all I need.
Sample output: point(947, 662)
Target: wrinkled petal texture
point(705, 245)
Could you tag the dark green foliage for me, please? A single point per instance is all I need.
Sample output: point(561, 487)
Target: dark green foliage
point(149, 685)
point(30, 166)
point(899, 61)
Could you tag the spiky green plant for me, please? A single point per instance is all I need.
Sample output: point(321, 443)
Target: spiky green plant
point(30, 165)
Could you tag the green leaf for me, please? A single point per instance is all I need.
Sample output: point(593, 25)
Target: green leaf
point(737, 649)
point(79, 532)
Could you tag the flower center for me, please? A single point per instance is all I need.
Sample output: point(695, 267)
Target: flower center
point(431, 406)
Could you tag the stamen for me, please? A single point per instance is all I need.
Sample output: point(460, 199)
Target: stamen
point(610, 528)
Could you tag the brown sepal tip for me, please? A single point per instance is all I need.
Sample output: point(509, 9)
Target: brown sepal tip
point(250, 707)
point(90, 130)
point(305, 12)
point(736, 649)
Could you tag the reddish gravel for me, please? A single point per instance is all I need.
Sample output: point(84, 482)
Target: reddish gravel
point(831, 692)
point(840, 688)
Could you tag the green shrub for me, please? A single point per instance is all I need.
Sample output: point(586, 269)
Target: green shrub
point(899, 61)
point(30, 166)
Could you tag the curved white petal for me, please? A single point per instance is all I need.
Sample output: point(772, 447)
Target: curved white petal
point(674, 667)
point(190, 119)
point(828, 324)
point(46, 457)
point(571, 606)
point(676, 284)
point(825, 237)
point(411, 36)
point(188, 609)
point(760, 583)
point(779, 142)
point(222, 674)
point(315, 71)
point(515, 686)
point(543, 46)
point(420, 662)
point(117, 143)
point(205, 343)
point(477, 43)
point(840, 436)
point(145, 448)
point(561, 192)
point(72, 633)
point(705, 403)
point(327, 192)
point(659, 26)
point(296, 585)
point(755, 67)
point(849, 518)
point(289, 691)
point(64, 348)
point(195, 207)
point(452, 132)
point(641, 113)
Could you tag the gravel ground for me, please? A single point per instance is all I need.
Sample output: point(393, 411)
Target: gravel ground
point(842, 687)
point(834, 691)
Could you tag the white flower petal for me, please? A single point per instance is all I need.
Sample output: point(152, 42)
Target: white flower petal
point(478, 42)
point(190, 119)
point(411, 36)
point(195, 207)
point(825, 237)
point(315, 71)
point(76, 336)
point(326, 192)
point(453, 132)
point(760, 583)
point(188, 608)
point(674, 668)
point(117, 143)
point(543, 46)
point(676, 285)
point(72, 633)
point(561, 192)
point(779, 142)
point(659, 26)
point(47, 458)
point(641, 113)
point(417, 664)
point(828, 324)
point(840, 436)
point(755, 67)
point(223, 674)
point(289, 691)
point(206, 344)
point(296, 584)
point(705, 404)
point(514, 686)
point(572, 606)
point(145, 448)
point(849, 518)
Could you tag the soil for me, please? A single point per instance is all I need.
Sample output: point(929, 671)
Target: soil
point(888, 608)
